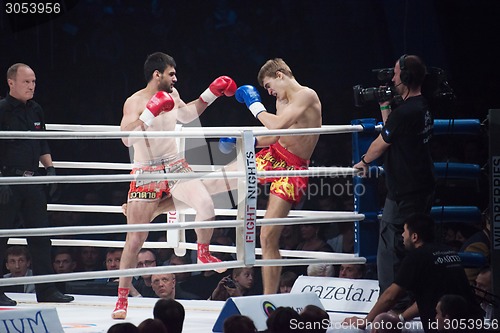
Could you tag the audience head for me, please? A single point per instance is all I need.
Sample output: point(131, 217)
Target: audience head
point(483, 284)
point(239, 324)
point(63, 261)
point(381, 324)
point(90, 258)
point(418, 230)
point(320, 270)
point(163, 285)
point(113, 257)
point(316, 318)
point(17, 260)
point(287, 280)
point(152, 326)
point(450, 307)
point(123, 328)
point(283, 320)
point(146, 258)
point(171, 313)
point(352, 271)
point(184, 260)
point(244, 277)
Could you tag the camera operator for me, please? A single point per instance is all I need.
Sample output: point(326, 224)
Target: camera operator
point(404, 142)
point(239, 283)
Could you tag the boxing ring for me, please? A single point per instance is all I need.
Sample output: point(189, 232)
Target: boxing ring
point(200, 315)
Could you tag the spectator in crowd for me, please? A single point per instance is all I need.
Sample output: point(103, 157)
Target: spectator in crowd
point(18, 262)
point(123, 328)
point(238, 284)
point(352, 271)
point(479, 242)
point(290, 237)
point(450, 311)
point(152, 326)
point(286, 281)
point(320, 270)
point(483, 287)
point(386, 322)
point(343, 242)
point(145, 258)
point(112, 259)
point(171, 313)
point(89, 259)
point(63, 261)
point(163, 285)
point(284, 320)
point(180, 278)
point(315, 319)
point(311, 239)
point(112, 263)
point(239, 324)
point(181, 260)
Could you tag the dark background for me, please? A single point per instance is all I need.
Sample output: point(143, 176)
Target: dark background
point(89, 59)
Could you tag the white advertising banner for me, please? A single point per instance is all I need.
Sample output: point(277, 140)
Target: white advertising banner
point(44, 320)
point(340, 295)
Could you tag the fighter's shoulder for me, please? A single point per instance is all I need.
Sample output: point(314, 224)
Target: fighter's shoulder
point(139, 97)
point(308, 94)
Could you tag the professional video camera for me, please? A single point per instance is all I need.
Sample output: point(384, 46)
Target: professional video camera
point(434, 86)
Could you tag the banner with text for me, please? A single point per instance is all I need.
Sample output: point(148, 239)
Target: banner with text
point(340, 295)
point(30, 320)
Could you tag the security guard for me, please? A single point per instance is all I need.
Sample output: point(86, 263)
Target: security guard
point(18, 112)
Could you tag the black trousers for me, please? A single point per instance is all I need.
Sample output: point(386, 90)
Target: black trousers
point(30, 203)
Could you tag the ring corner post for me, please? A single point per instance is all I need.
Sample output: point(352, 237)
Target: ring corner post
point(365, 191)
point(247, 207)
point(494, 163)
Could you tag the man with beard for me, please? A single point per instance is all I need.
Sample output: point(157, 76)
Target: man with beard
point(158, 107)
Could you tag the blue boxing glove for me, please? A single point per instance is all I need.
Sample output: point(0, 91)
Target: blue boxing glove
point(226, 145)
point(250, 96)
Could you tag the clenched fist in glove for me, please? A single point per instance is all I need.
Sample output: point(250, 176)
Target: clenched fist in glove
point(223, 85)
point(160, 102)
point(250, 96)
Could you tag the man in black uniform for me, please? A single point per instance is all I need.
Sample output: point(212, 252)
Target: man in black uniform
point(18, 112)
point(408, 166)
point(429, 270)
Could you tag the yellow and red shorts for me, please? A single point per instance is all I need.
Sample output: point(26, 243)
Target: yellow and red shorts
point(150, 190)
point(276, 157)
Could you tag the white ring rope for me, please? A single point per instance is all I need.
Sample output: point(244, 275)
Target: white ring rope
point(102, 229)
point(123, 166)
point(311, 172)
point(167, 245)
point(190, 211)
point(199, 132)
point(336, 258)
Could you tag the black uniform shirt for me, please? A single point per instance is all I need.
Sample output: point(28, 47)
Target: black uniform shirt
point(408, 163)
point(23, 154)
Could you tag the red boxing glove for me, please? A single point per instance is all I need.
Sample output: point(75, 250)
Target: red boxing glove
point(223, 85)
point(160, 102)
